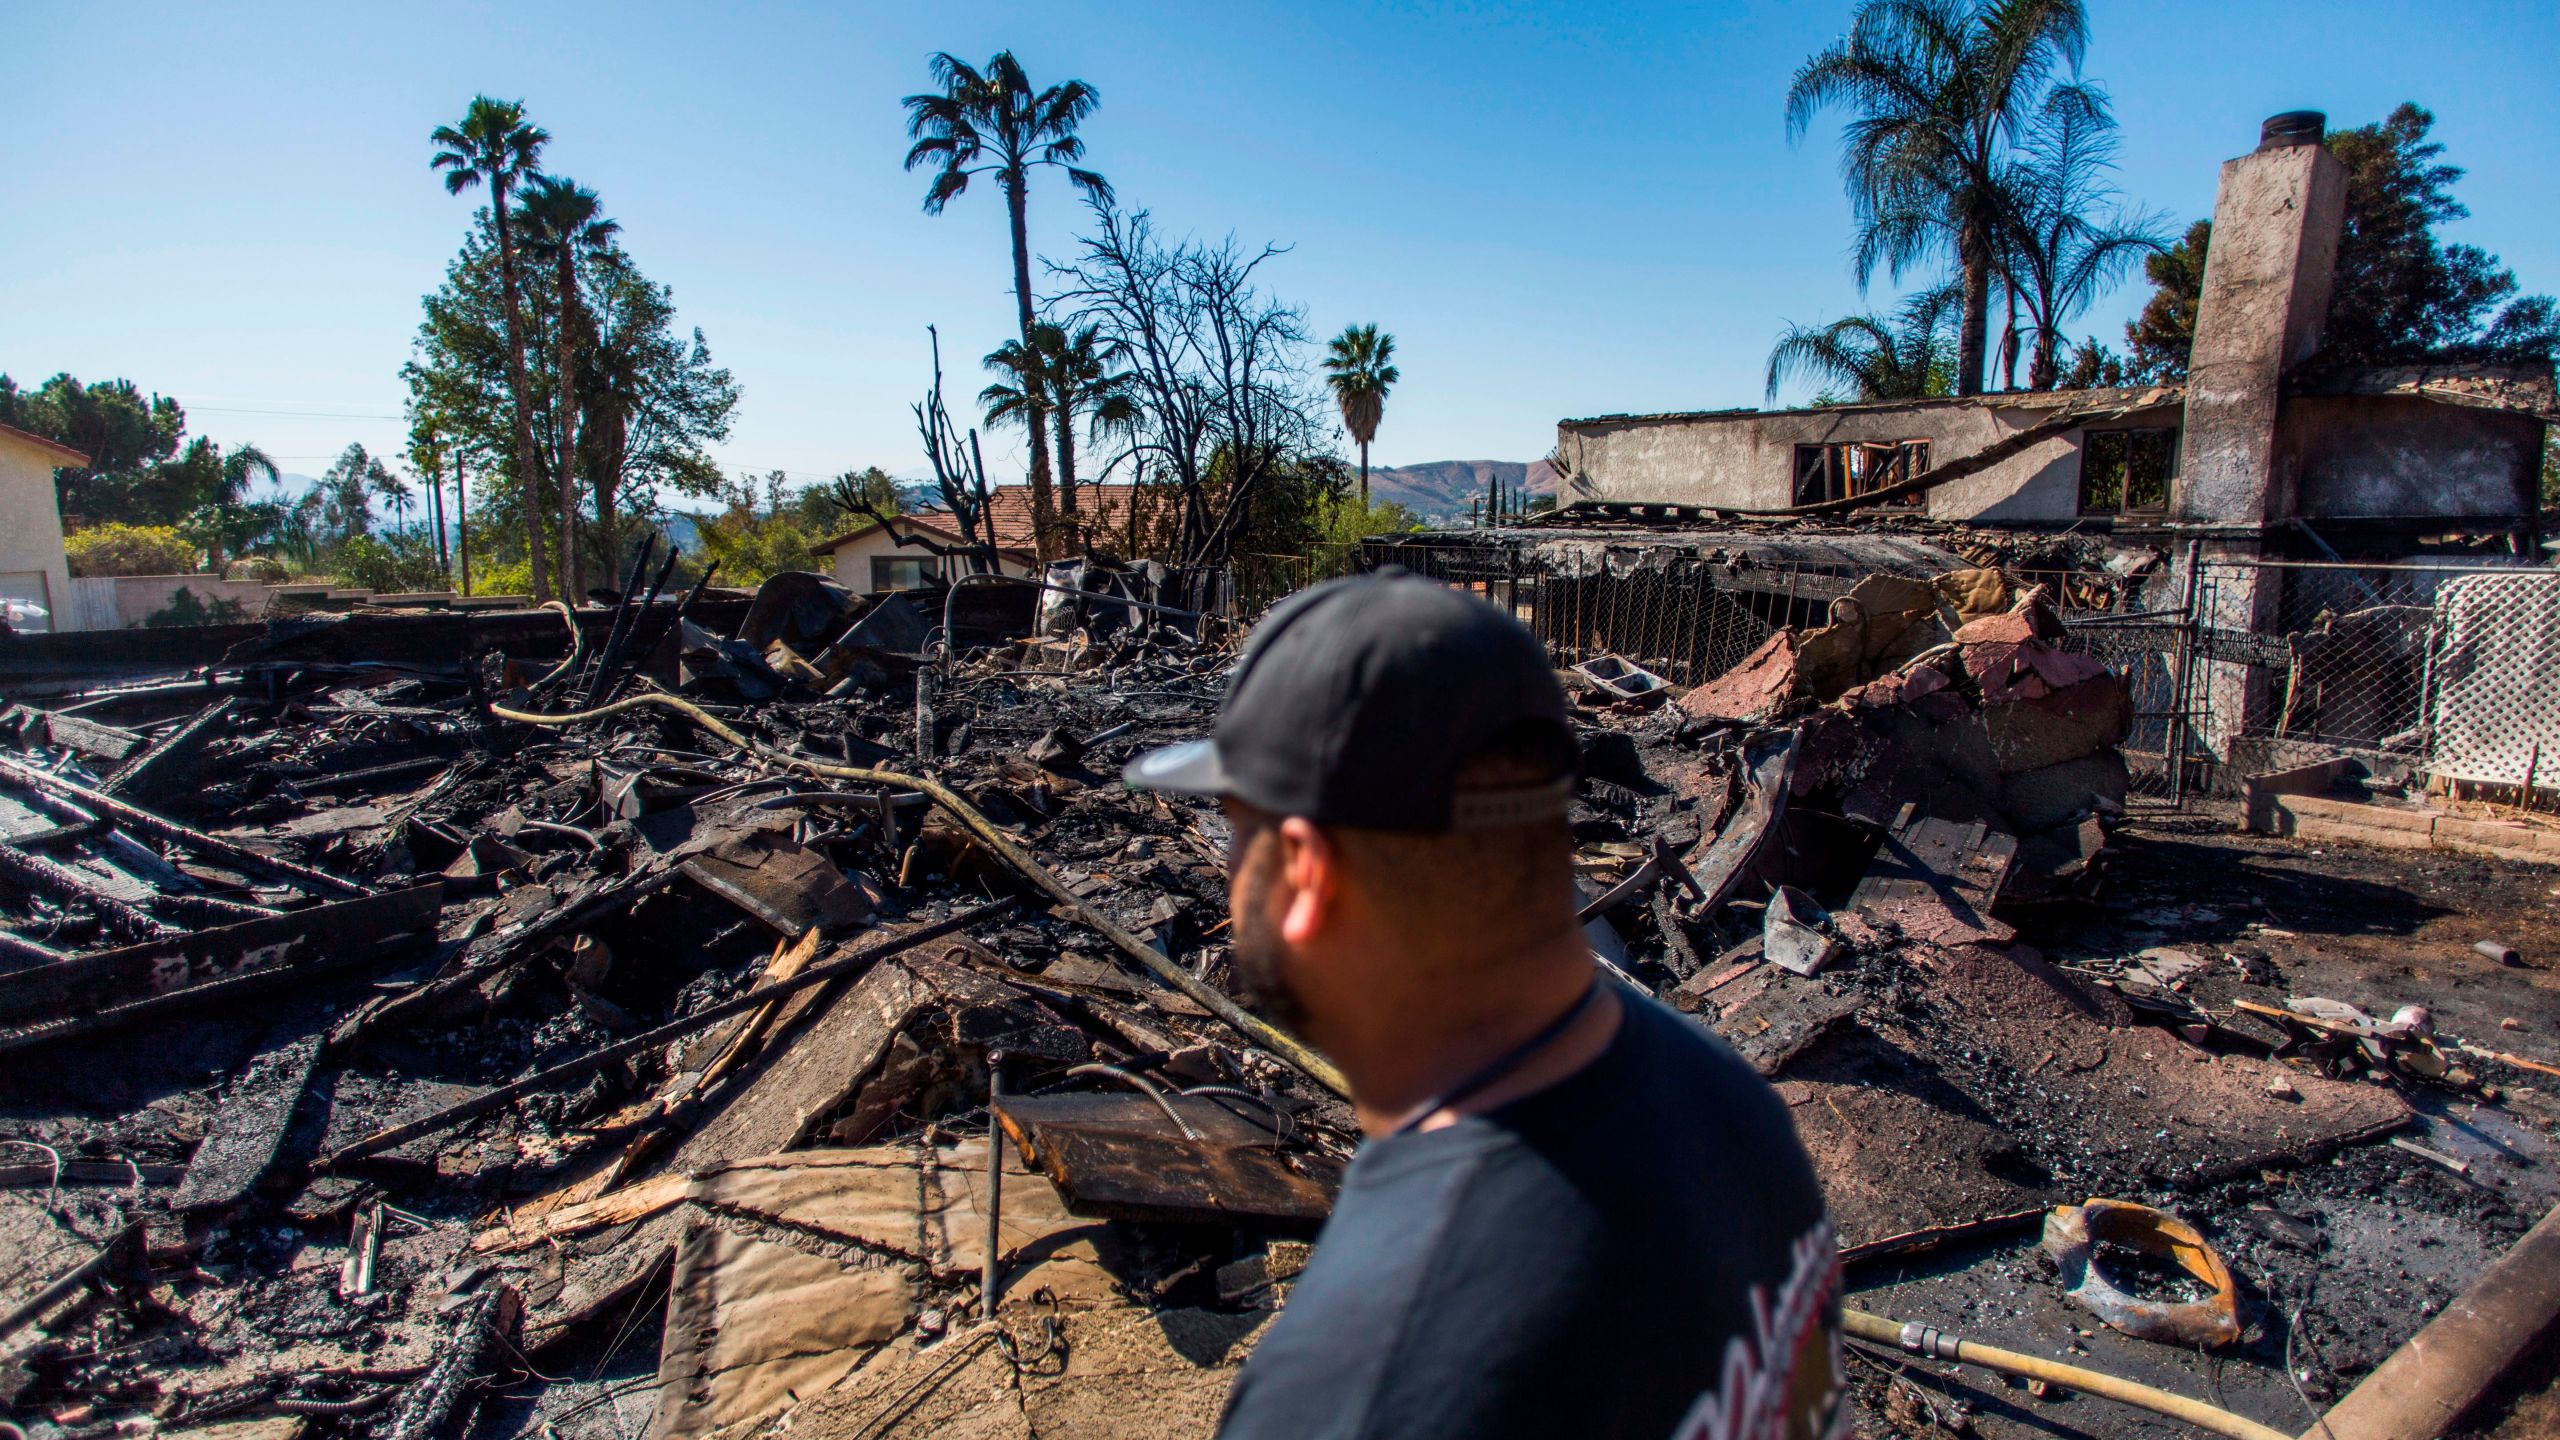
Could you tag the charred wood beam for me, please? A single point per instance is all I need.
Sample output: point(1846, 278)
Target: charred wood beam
point(615, 667)
point(356, 779)
point(68, 833)
point(99, 742)
point(188, 971)
point(166, 766)
point(621, 609)
point(21, 952)
point(103, 699)
point(441, 996)
point(159, 827)
point(43, 877)
point(542, 1080)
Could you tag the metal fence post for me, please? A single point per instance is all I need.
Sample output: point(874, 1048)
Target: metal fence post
point(2184, 721)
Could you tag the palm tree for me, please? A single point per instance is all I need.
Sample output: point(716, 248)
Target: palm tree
point(1060, 375)
point(1906, 357)
point(2064, 240)
point(563, 223)
point(1356, 367)
point(393, 491)
point(428, 449)
point(993, 122)
point(1081, 380)
point(237, 524)
point(1939, 91)
point(494, 146)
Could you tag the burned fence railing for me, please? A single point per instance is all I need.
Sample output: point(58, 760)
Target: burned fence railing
point(1688, 618)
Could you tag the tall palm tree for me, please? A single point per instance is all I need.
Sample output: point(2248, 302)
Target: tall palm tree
point(394, 492)
point(1061, 374)
point(1869, 357)
point(563, 224)
point(991, 121)
point(1938, 93)
point(428, 450)
point(1082, 381)
point(494, 146)
point(2064, 239)
point(1356, 367)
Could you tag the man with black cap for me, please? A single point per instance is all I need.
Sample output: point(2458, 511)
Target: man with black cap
point(1577, 1212)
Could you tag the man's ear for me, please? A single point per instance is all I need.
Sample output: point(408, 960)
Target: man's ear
point(1312, 868)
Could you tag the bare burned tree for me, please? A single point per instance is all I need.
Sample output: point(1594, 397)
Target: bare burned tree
point(959, 475)
point(1216, 367)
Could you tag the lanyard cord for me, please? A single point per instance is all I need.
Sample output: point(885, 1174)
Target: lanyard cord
point(1501, 1065)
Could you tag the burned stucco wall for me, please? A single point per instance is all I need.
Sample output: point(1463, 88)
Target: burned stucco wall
point(2406, 457)
point(1745, 460)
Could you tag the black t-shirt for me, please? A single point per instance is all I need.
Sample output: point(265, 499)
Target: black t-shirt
point(1639, 1250)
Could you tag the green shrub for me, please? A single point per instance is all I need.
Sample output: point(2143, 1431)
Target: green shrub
point(752, 549)
point(116, 549)
point(393, 563)
point(505, 577)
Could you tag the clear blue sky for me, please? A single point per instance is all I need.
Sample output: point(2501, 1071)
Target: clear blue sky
point(1559, 209)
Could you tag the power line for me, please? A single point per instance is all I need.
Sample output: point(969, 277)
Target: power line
point(306, 414)
point(760, 470)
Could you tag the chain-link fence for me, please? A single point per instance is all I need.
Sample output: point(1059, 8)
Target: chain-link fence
point(2447, 669)
point(2234, 666)
point(2450, 669)
point(2141, 631)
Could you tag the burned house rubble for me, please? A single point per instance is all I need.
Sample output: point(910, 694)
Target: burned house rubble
point(2265, 438)
point(759, 1014)
point(2291, 557)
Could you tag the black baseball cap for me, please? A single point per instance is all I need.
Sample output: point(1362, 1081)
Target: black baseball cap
point(1358, 700)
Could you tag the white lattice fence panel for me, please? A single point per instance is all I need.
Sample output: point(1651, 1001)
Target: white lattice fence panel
point(2495, 678)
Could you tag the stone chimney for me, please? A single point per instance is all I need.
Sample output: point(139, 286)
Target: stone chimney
point(2267, 275)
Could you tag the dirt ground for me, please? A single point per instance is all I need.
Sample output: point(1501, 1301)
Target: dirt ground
point(2340, 1259)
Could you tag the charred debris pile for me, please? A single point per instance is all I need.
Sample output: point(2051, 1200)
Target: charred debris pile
point(605, 1039)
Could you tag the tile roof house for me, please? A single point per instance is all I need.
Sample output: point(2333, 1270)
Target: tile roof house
point(1101, 510)
point(869, 557)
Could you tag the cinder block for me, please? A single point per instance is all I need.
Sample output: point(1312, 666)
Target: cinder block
point(2498, 839)
point(2329, 832)
point(2353, 813)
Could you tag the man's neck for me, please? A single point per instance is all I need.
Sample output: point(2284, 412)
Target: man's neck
point(1405, 1053)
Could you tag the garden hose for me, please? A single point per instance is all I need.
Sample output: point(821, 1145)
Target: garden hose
point(1936, 1344)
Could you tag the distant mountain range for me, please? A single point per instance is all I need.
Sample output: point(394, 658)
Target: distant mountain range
point(1440, 489)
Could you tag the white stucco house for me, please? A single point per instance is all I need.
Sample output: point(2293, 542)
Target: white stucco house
point(869, 558)
point(32, 569)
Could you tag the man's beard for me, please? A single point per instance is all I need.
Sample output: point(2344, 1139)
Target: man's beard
point(1260, 953)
